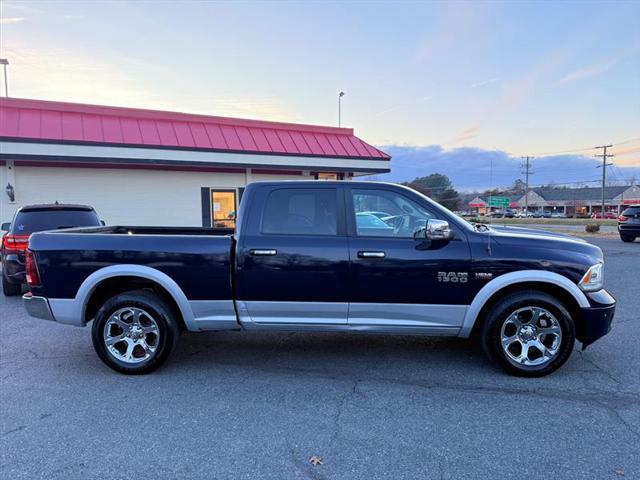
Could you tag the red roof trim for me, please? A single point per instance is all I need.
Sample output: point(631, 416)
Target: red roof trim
point(39, 120)
point(104, 110)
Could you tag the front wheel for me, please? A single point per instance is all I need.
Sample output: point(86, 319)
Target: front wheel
point(627, 238)
point(529, 334)
point(134, 332)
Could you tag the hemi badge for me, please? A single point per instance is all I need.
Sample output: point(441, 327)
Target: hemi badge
point(484, 276)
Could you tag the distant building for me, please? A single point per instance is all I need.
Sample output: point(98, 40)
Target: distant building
point(580, 201)
point(568, 201)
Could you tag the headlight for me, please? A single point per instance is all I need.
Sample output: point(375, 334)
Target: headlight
point(594, 278)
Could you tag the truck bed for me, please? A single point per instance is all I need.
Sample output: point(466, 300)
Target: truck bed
point(197, 259)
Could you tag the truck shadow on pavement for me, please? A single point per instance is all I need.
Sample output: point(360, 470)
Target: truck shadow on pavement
point(327, 353)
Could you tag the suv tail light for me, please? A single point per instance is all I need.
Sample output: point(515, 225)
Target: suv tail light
point(622, 218)
point(32, 274)
point(17, 243)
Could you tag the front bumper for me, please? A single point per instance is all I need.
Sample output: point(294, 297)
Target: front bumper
point(37, 307)
point(596, 319)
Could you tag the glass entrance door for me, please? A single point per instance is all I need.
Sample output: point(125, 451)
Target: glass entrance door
point(223, 208)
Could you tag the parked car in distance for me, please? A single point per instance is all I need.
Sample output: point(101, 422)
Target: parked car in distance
point(30, 219)
point(541, 214)
point(310, 256)
point(501, 214)
point(629, 223)
point(558, 215)
point(607, 216)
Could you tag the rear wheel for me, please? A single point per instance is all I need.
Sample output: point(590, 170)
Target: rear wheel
point(529, 334)
point(135, 332)
point(627, 238)
point(10, 289)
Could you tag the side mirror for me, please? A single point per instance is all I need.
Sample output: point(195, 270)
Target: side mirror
point(6, 226)
point(438, 230)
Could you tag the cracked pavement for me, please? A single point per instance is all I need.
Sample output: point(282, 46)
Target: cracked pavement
point(239, 405)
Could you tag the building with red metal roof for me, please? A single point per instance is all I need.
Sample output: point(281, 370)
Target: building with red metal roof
point(154, 167)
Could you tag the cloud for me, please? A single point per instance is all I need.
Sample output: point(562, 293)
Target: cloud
point(485, 82)
point(7, 20)
point(477, 169)
point(590, 71)
point(629, 156)
point(466, 134)
point(77, 76)
point(72, 16)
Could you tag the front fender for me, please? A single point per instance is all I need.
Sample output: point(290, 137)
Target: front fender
point(513, 278)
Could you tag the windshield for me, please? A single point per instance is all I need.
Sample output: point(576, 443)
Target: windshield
point(39, 220)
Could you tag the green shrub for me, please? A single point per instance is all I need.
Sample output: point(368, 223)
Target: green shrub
point(479, 220)
point(592, 228)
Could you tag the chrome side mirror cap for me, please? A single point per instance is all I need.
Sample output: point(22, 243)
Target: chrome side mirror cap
point(438, 230)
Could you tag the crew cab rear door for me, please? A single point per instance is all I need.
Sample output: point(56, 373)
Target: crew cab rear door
point(400, 281)
point(292, 257)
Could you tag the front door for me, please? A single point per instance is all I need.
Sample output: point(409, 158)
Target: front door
point(398, 280)
point(293, 262)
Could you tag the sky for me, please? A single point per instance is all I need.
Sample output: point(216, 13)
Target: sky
point(518, 78)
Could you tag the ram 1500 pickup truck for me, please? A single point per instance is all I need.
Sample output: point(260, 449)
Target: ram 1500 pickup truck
point(324, 257)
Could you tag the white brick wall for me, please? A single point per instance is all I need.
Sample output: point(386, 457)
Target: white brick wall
point(129, 197)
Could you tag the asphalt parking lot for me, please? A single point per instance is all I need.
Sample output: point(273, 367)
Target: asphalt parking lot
point(232, 405)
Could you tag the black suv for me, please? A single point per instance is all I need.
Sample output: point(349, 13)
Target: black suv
point(36, 218)
point(629, 223)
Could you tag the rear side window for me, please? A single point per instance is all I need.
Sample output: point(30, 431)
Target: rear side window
point(631, 211)
point(297, 211)
point(39, 220)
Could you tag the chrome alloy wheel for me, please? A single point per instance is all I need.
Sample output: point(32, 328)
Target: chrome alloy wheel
point(131, 335)
point(531, 336)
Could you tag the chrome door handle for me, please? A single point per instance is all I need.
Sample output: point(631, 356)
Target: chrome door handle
point(371, 254)
point(263, 253)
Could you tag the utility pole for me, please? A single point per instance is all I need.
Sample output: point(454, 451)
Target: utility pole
point(340, 95)
point(526, 169)
point(604, 155)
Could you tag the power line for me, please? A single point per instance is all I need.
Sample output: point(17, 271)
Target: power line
point(604, 165)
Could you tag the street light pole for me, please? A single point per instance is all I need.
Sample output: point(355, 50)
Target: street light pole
point(340, 95)
point(4, 62)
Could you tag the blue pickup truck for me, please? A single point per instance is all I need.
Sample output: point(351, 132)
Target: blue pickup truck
point(324, 257)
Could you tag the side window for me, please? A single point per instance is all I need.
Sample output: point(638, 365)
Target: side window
point(296, 211)
point(381, 213)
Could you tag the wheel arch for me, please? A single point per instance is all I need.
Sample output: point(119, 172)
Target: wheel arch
point(557, 285)
point(128, 274)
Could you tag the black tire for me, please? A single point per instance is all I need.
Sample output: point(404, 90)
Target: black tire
point(158, 310)
point(10, 289)
point(497, 316)
point(627, 238)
